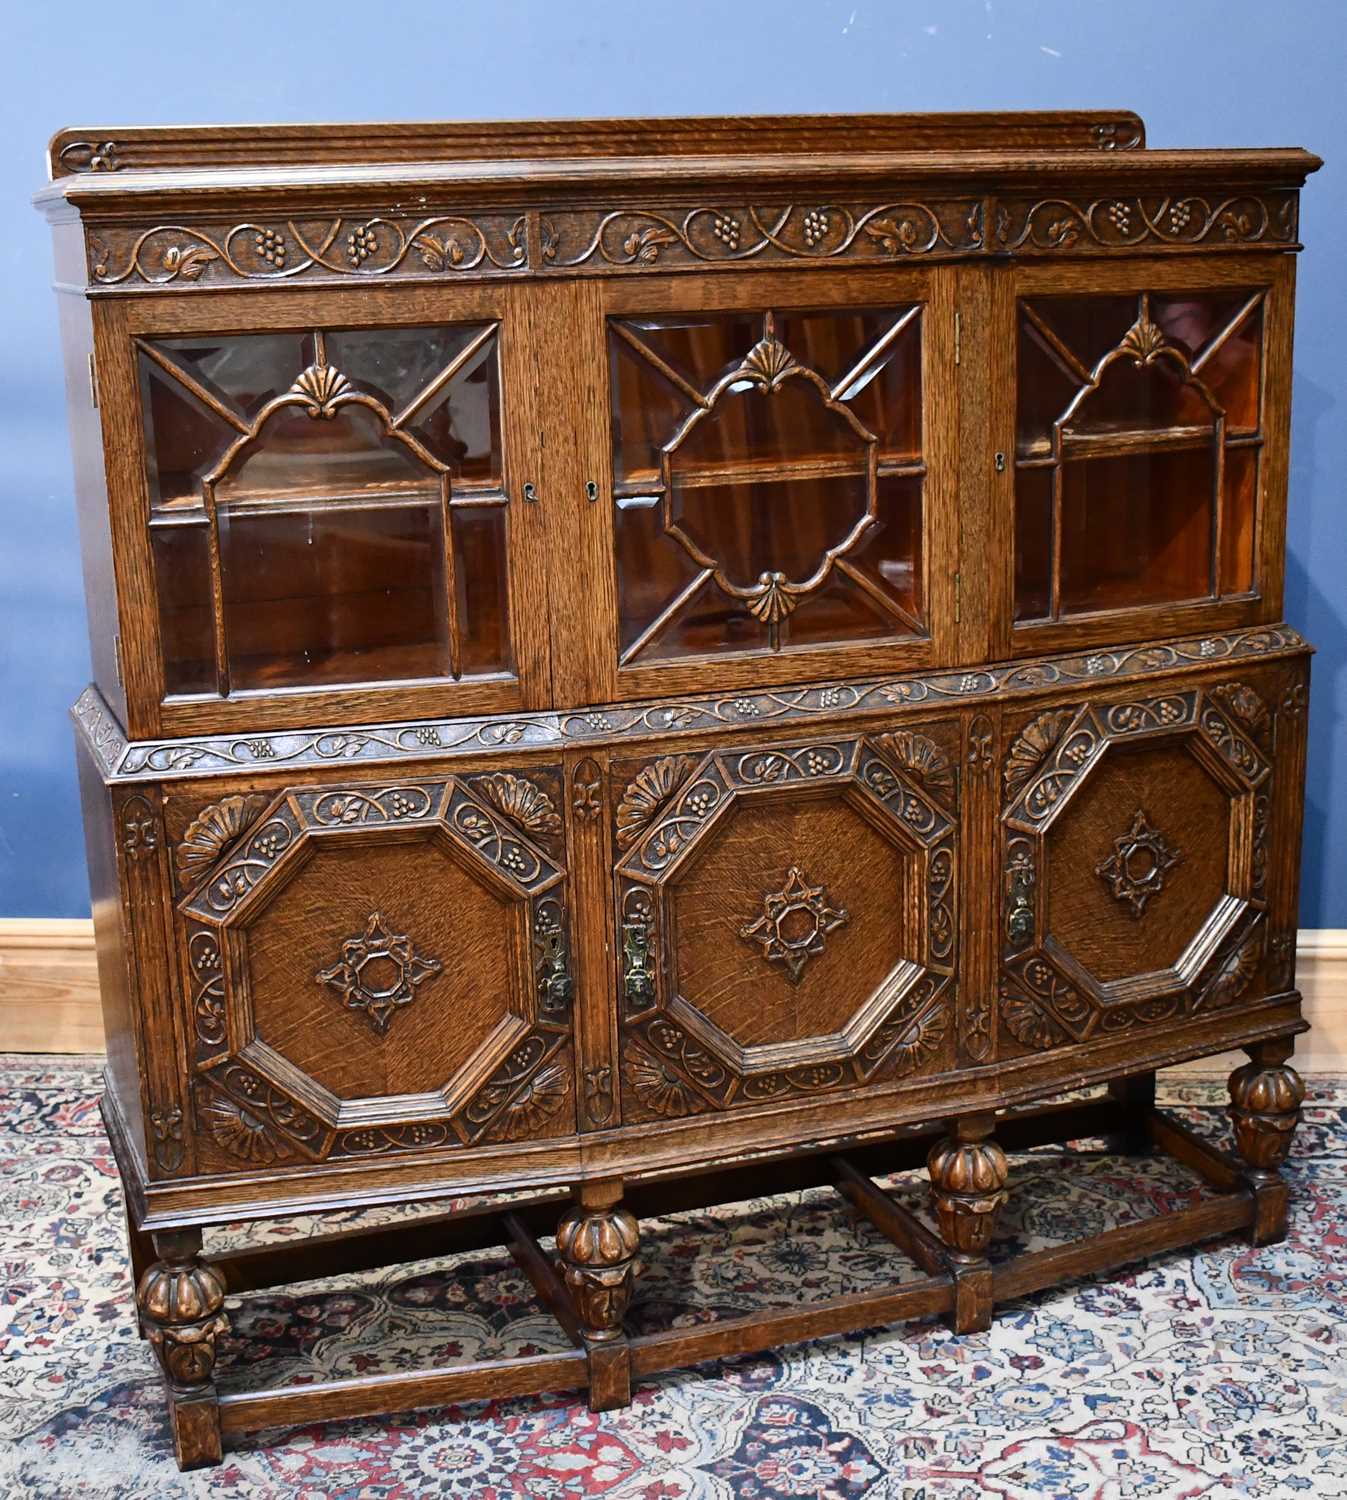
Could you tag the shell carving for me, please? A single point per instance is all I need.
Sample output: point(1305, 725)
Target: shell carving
point(768, 363)
point(321, 386)
point(922, 759)
point(519, 800)
point(1027, 1023)
point(648, 793)
point(920, 1040)
point(211, 832)
point(540, 1099)
point(1240, 700)
point(662, 1092)
point(1036, 740)
point(1143, 341)
point(239, 1131)
point(1233, 977)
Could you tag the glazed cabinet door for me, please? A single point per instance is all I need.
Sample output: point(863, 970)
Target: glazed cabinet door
point(327, 506)
point(766, 473)
point(1145, 409)
point(786, 918)
point(1135, 847)
point(374, 967)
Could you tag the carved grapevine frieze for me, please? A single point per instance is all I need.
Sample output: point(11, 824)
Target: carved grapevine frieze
point(793, 924)
point(1178, 220)
point(648, 238)
point(378, 971)
point(153, 759)
point(452, 244)
point(1136, 869)
point(211, 833)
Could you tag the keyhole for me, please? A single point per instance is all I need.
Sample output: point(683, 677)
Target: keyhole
point(591, 490)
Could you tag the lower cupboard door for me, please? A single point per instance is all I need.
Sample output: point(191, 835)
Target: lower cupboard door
point(1135, 865)
point(786, 919)
point(377, 967)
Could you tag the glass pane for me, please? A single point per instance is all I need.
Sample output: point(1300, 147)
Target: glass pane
point(1136, 530)
point(777, 434)
point(351, 596)
point(1033, 544)
point(330, 508)
point(1237, 521)
point(1127, 399)
point(480, 580)
point(182, 574)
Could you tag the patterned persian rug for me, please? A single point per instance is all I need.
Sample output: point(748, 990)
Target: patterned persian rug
point(1218, 1373)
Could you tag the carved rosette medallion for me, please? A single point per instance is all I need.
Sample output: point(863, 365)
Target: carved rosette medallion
point(793, 924)
point(378, 971)
point(1136, 869)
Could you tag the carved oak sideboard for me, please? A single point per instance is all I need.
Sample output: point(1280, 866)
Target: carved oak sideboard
point(623, 646)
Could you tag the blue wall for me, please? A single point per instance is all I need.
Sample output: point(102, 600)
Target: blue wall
point(1201, 73)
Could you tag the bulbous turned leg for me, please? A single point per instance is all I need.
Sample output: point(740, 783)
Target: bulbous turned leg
point(597, 1241)
point(181, 1302)
point(1265, 1099)
point(968, 1173)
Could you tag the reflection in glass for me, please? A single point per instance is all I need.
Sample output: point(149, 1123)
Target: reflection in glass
point(768, 480)
point(1137, 442)
point(326, 507)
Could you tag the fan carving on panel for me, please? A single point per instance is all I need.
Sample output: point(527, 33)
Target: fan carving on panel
point(377, 972)
point(793, 924)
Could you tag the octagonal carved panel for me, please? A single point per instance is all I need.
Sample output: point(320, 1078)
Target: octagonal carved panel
point(379, 967)
point(1134, 863)
point(787, 919)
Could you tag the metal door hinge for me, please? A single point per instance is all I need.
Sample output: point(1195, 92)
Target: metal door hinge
point(93, 380)
point(117, 659)
point(958, 336)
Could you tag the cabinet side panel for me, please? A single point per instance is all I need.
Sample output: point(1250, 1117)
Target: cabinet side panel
point(119, 1028)
point(91, 493)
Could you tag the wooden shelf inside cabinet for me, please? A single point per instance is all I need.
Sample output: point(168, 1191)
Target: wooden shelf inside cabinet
point(626, 645)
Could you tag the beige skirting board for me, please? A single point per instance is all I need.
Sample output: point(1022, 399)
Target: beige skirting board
point(49, 992)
